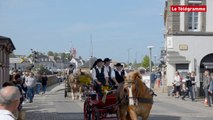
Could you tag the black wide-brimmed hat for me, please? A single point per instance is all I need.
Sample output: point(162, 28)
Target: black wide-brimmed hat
point(107, 60)
point(99, 60)
point(118, 64)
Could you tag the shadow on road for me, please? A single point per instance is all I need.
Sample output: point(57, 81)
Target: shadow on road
point(37, 115)
point(163, 117)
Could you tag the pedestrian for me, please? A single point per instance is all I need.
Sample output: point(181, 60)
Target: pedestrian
point(210, 90)
point(111, 73)
point(44, 82)
point(59, 78)
point(9, 102)
point(24, 86)
point(177, 83)
point(206, 84)
point(38, 83)
point(194, 88)
point(17, 82)
point(30, 82)
point(188, 88)
point(158, 78)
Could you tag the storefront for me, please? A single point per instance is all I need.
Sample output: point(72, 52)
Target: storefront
point(6, 47)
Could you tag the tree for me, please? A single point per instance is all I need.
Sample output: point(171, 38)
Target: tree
point(55, 54)
point(50, 53)
point(145, 62)
point(68, 56)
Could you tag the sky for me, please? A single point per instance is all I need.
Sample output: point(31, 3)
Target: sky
point(114, 27)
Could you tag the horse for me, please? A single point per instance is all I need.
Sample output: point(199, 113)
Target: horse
point(135, 98)
point(75, 87)
point(77, 81)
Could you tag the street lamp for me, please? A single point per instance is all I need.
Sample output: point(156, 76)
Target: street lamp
point(150, 64)
point(128, 56)
point(150, 57)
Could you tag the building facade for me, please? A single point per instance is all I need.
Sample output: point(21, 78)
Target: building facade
point(6, 47)
point(188, 41)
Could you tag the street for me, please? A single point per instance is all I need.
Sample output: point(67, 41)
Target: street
point(53, 106)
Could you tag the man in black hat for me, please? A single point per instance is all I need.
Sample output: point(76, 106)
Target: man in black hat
point(70, 69)
point(111, 72)
point(120, 73)
point(99, 75)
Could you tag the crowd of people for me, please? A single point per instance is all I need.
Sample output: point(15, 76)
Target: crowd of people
point(183, 87)
point(23, 85)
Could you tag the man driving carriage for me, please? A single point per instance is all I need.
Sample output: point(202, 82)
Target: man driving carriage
point(111, 73)
point(99, 76)
point(71, 69)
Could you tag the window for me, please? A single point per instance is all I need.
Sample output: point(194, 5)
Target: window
point(193, 21)
point(194, 17)
point(195, 1)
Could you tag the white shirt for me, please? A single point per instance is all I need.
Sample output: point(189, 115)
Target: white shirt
point(177, 80)
point(121, 71)
point(112, 74)
point(6, 115)
point(30, 81)
point(99, 69)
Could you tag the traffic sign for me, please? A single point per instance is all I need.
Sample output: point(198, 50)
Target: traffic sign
point(16, 60)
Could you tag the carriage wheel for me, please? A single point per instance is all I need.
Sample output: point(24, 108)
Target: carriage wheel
point(87, 111)
point(95, 114)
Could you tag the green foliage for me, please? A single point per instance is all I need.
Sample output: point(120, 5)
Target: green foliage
point(41, 69)
point(50, 53)
point(145, 62)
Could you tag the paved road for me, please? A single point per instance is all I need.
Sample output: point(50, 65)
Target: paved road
point(53, 106)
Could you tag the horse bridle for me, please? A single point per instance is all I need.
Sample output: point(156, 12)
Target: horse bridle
point(137, 99)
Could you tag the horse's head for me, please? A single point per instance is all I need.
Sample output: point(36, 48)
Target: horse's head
point(133, 86)
point(131, 81)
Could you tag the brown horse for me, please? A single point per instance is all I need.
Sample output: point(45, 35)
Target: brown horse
point(135, 98)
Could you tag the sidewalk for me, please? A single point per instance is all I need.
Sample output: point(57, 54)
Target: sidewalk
point(53, 106)
point(199, 102)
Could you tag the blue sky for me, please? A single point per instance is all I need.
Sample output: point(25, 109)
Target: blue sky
point(56, 25)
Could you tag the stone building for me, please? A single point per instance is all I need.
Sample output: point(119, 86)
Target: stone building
point(188, 40)
point(6, 47)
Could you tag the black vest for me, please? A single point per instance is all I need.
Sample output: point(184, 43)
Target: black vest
point(109, 73)
point(100, 76)
point(119, 78)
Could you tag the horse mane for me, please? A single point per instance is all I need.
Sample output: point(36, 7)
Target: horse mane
point(140, 90)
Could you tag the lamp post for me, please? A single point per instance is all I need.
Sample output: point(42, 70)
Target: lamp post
point(150, 63)
point(150, 57)
point(128, 57)
point(155, 60)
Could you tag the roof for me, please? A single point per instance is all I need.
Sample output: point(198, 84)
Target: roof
point(8, 43)
point(89, 63)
